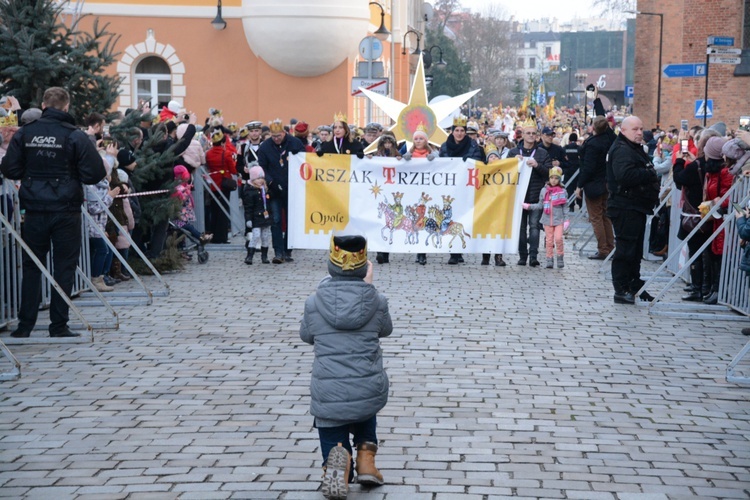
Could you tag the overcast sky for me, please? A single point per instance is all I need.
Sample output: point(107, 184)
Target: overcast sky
point(563, 10)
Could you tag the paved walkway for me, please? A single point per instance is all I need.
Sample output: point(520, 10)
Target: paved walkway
point(505, 382)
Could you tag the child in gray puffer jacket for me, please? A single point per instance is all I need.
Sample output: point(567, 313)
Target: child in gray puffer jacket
point(344, 320)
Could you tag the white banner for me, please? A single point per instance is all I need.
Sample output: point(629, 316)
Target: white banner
point(418, 206)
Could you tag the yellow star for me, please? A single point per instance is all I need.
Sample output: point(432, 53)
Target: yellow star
point(375, 189)
point(417, 111)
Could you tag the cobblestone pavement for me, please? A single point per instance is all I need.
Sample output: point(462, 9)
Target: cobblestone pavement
point(505, 382)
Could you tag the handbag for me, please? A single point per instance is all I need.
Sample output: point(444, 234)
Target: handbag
point(227, 183)
point(690, 216)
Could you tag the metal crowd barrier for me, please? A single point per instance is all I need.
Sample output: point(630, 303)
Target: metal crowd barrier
point(203, 183)
point(131, 298)
point(46, 273)
point(693, 310)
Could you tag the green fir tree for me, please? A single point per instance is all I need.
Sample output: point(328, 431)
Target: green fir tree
point(153, 166)
point(455, 78)
point(38, 51)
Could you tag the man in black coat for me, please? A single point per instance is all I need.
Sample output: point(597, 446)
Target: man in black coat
point(458, 145)
point(53, 158)
point(634, 191)
point(273, 156)
point(539, 163)
point(592, 180)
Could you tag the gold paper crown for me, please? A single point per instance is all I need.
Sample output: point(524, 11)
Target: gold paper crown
point(346, 260)
point(528, 122)
point(339, 117)
point(422, 128)
point(217, 136)
point(276, 126)
point(556, 172)
point(459, 121)
point(9, 121)
point(244, 132)
point(232, 127)
point(489, 149)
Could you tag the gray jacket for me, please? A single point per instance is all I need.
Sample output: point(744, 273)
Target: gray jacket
point(344, 320)
point(557, 213)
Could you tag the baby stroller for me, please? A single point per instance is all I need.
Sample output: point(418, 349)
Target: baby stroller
point(191, 243)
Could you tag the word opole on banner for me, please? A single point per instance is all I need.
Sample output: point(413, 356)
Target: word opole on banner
point(418, 206)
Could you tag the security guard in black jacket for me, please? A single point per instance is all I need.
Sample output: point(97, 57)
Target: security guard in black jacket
point(52, 158)
point(634, 191)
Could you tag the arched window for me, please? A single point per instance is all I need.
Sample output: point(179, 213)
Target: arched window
point(153, 81)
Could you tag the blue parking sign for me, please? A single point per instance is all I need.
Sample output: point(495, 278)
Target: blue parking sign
point(628, 91)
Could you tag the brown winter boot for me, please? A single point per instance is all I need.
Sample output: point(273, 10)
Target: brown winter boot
point(367, 473)
point(336, 474)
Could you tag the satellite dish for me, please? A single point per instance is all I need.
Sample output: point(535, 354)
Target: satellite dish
point(446, 122)
point(428, 12)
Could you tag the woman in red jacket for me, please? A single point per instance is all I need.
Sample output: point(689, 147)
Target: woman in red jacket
point(718, 181)
point(221, 163)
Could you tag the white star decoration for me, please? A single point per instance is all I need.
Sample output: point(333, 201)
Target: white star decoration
point(408, 116)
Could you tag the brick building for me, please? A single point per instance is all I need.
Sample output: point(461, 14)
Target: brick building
point(687, 25)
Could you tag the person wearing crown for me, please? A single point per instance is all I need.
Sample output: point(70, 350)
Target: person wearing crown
point(344, 320)
point(273, 156)
point(342, 142)
point(460, 145)
point(222, 168)
point(496, 149)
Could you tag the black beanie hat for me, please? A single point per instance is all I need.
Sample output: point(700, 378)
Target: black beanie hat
point(125, 157)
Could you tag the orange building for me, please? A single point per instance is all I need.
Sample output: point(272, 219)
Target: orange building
point(274, 59)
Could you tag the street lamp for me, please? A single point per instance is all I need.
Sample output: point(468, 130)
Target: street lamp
point(427, 54)
point(382, 33)
point(569, 68)
point(416, 52)
point(218, 23)
point(661, 45)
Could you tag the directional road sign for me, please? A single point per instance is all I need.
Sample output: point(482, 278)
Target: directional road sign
point(723, 51)
point(724, 60)
point(629, 91)
point(724, 41)
point(700, 108)
point(684, 70)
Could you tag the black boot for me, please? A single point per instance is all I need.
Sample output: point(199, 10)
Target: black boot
point(387, 258)
point(713, 298)
point(485, 259)
point(453, 259)
point(499, 262)
point(696, 278)
point(379, 258)
point(264, 255)
point(623, 295)
point(707, 274)
point(421, 259)
point(249, 258)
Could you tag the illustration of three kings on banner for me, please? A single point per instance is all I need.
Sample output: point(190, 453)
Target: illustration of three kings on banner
point(429, 203)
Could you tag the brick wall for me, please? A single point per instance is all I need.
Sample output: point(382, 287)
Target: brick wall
point(687, 24)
